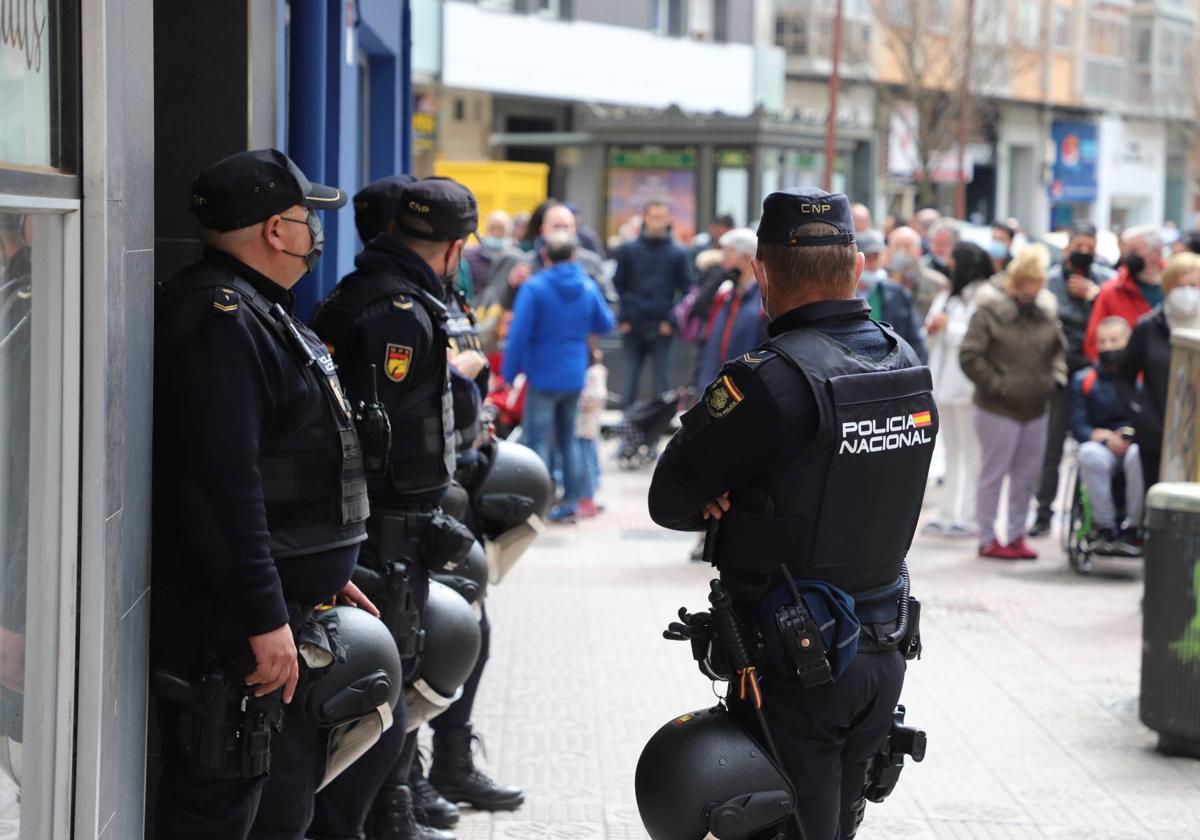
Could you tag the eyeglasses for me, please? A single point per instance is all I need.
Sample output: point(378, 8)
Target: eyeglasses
point(311, 219)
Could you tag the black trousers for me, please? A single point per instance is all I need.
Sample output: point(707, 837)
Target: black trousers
point(459, 713)
point(1056, 436)
point(826, 736)
point(279, 807)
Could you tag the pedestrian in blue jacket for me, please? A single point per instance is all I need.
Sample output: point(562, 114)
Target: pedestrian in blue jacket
point(653, 271)
point(555, 312)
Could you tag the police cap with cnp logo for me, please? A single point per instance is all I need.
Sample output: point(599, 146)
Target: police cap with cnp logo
point(437, 209)
point(248, 187)
point(378, 203)
point(786, 212)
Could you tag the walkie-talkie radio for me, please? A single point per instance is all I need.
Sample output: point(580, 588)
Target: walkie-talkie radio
point(374, 431)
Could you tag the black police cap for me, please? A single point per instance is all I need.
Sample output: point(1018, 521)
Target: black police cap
point(248, 187)
point(786, 211)
point(437, 209)
point(378, 203)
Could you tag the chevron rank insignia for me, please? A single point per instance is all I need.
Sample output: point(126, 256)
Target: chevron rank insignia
point(722, 397)
point(402, 302)
point(226, 300)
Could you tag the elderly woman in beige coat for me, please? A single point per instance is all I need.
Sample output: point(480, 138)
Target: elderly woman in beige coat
point(1015, 353)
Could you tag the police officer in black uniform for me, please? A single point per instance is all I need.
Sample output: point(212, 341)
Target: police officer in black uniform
point(811, 452)
point(260, 506)
point(386, 325)
point(376, 207)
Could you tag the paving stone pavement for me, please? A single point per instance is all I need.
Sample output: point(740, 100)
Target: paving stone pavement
point(1028, 690)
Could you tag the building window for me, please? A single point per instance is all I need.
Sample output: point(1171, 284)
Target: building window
point(1174, 47)
point(1062, 28)
point(1106, 37)
point(939, 17)
point(1029, 23)
point(900, 13)
point(1105, 67)
point(669, 17)
point(548, 8)
point(791, 33)
point(1143, 42)
point(991, 21)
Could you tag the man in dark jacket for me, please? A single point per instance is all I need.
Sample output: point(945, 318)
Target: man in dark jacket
point(1075, 283)
point(652, 272)
point(890, 303)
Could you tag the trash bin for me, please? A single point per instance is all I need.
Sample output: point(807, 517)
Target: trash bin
point(1170, 697)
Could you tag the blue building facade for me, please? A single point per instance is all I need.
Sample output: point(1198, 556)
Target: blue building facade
point(346, 91)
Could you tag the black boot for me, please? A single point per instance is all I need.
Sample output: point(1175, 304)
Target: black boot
point(392, 818)
point(429, 806)
point(456, 778)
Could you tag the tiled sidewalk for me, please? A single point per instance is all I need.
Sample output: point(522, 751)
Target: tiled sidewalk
point(1028, 690)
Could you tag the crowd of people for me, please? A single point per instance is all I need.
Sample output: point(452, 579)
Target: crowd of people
point(1030, 346)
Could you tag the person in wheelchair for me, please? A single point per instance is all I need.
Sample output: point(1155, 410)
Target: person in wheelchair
point(1101, 422)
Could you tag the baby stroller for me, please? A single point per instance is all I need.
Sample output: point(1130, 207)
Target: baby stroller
point(642, 426)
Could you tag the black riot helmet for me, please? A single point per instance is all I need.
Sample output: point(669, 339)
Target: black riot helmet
point(452, 643)
point(515, 486)
point(702, 774)
point(352, 681)
point(470, 578)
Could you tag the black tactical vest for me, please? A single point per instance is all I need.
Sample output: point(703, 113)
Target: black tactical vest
point(422, 457)
point(313, 481)
point(844, 511)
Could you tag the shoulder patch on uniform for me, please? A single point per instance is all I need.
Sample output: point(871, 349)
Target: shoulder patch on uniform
point(722, 397)
point(397, 361)
point(402, 302)
point(226, 300)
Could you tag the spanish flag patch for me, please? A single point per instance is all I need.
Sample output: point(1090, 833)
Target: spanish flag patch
point(722, 397)
point(922, 419)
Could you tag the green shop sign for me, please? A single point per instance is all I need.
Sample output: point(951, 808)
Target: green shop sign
point(652, 158)
point(733, 158)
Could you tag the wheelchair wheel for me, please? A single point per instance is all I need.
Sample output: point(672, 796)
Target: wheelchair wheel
point(1077, 530)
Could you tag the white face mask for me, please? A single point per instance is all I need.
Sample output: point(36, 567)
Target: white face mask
point(870, 279)
point(1182, 307)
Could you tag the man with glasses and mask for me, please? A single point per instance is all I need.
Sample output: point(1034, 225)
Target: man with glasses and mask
point(260, 505)
point(387, 326)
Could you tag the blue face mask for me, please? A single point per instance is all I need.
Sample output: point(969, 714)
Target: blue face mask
point(494, 243)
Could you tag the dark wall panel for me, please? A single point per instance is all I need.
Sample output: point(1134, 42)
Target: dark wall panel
point(201, 79)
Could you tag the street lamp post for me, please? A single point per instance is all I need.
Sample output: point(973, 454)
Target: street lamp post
point(964, 109)
point(834, 79)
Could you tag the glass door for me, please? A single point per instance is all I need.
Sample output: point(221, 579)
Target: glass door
point(39, 488)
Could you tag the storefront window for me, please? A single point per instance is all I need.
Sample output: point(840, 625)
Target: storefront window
point(34, 451)
point(733, 183)
point(16, 334)
point(37, 60)
point(639, 175)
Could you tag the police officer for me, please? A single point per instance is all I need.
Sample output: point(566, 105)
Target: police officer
point(386, 325)
point(812, 452)
point(260, 505)
point(376, 207)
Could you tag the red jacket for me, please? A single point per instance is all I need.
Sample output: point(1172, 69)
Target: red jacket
point(1119, 296)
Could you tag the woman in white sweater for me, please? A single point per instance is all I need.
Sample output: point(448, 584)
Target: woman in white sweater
point(946, 324)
